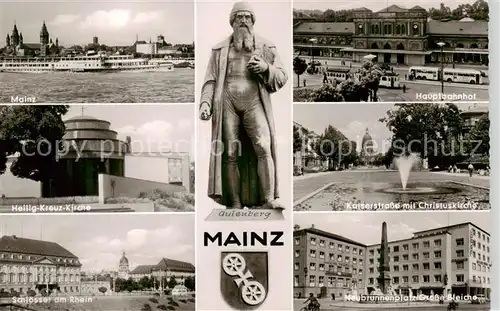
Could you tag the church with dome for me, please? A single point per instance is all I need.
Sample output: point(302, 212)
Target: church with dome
point(367, 154)
point(15, 45)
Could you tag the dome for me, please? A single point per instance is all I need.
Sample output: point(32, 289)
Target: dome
point(366, 138)
point(123, 260)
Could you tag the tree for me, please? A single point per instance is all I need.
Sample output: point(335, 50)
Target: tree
point(172, 282)
point(189, 282)
point(336, 148)
point(299, 67)
point(34, 133)
point(146, 282)
point(297, 139)
point(430, 130)
point(103, 289)
point(478, 139)
point(355, 88)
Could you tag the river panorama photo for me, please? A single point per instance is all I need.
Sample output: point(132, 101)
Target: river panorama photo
point(112, 52)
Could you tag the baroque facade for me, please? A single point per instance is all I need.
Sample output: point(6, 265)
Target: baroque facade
point(165, 269)
point(395, 35)
point(27, 264)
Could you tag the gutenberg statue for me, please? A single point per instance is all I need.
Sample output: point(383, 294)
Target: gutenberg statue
point(243, 71)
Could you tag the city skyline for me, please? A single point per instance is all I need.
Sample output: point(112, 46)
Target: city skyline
point(373, 5)
point(114, 23)
point(366, 230)
point(154, 128)
point(101, 248)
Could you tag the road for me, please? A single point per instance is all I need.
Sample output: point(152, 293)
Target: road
point(340, 306)
point(303, 185)
point(415, 90)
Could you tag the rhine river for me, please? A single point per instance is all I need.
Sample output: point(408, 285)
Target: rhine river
point(117, 87)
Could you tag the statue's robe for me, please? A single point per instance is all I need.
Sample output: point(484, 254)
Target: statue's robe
point(212, 93)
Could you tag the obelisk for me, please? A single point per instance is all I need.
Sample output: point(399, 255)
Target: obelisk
point(384, 278)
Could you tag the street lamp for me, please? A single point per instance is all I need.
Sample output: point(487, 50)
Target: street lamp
point(313, 41)
point(441, 45)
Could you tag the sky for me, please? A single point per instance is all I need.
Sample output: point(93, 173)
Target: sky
point(373, 5)
point(366, 228)
point(350, 119)
point(99, 240)
point(153, 128)
point(114, 22)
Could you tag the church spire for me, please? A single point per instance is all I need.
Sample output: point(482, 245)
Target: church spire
point(7, 40)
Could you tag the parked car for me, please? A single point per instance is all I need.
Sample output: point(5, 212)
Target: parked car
point(479, 299)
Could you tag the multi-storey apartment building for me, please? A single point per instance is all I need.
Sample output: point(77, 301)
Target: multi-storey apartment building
point(454, 259)
point(448, 260)
point(327, 265)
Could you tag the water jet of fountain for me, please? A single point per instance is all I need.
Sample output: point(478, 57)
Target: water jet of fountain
point(404, 165)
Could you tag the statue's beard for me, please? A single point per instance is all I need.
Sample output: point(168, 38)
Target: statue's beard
point(243, 38)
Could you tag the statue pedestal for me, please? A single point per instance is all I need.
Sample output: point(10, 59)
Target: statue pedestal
point(245, 215)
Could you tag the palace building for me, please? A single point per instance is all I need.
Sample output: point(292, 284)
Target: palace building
point(395, 35)
point(165, 268)
point(27, 264)
point(15, 45)
point(454, 259)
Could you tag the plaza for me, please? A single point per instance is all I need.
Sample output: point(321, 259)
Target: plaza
point(314, 186)
point(416, 90)
point(329, 305)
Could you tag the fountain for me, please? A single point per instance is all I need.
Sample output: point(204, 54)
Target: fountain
point(404, 165)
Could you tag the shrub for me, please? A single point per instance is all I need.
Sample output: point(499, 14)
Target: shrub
point(162, 307)
point(173, 303)
point(183, 300)
point(146, 307)
point(153, 300)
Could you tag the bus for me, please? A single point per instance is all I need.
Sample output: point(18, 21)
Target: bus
point(463, 76)
point(424, 73)
point(340, 74)
point(390, 81)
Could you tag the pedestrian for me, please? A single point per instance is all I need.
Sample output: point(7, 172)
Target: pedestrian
point(455, 169)
point(325, 78)
point(304, 82)
point(404, 88)
point(471, 169)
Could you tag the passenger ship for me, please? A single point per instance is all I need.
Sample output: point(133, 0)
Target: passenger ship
point(87, 63)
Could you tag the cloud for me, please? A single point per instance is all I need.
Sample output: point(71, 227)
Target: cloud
point(106, 20)
point(152, 136)
point(147, 17)
point(139, 245)
point(64, 19)
point(185, 124)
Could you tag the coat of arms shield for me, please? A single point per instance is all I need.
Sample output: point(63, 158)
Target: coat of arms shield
point(244, 279)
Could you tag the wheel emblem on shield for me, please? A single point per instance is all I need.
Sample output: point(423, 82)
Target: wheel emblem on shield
point(244, 279)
